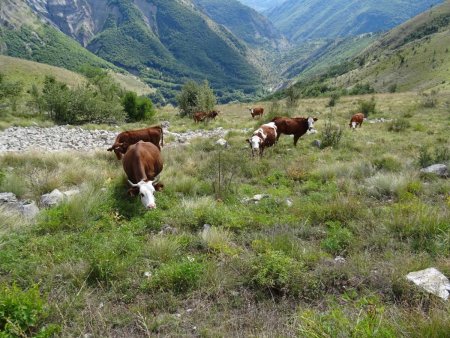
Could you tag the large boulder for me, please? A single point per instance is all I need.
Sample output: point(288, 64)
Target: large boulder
point(52, 199)
point(431, 280)
point(9, 201)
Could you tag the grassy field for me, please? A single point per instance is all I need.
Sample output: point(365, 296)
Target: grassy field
point(100, 265)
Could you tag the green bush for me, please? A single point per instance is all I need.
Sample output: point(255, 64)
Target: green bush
point(399, 125)
point(196, 97)
point(338, 239)
point(387, 163)
point(274, 270)
point(178, 277)
point(22, 313)
point(137, 108)
point(331, 135)
point(367, 107)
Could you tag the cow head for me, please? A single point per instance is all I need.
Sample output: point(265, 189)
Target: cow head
point(255, 143)
point(146, 192)
point(352, 125)
point(311, 121)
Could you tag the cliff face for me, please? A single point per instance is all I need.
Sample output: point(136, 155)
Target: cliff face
point(80, 19)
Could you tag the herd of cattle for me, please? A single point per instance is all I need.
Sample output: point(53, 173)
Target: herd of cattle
point(140, 150)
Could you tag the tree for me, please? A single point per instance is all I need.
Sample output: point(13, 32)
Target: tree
point(292, 97)
point(194, 97)
point(11, 91)
point(137, 108)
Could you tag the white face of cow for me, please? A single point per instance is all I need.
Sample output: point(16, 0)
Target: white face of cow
point(310, 124)
point(146, 193)
point(255, 142)
point(353, 125)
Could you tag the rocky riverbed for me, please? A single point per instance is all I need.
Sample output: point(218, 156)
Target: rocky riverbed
point(18, 139)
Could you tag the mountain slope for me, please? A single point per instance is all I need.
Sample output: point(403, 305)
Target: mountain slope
point(262, 5)
point(413, 56)
point(164, 42)
point(310, 19)
point(23, 35)
point(242, 21)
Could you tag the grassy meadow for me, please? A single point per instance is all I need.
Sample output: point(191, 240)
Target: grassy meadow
point(100, 265)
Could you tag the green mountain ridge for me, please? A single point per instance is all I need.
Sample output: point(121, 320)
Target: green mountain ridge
point(311, 19)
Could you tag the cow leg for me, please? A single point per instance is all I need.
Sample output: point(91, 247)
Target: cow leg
point(296, 137)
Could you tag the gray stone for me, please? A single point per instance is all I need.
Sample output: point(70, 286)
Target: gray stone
point(222, 142)
point(70, 193)
point(437, 169)
point(431, 280)
point(29, 210)
point(339, 260)
point(52, 199)
point(7, 197)
point(289, 202)
point(165, 124)
point(316, 143)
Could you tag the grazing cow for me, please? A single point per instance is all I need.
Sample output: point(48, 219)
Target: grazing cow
point(356, 120)
point(296, 126)
point(213, 114)
point(125, 139)
point(257, 111)
point(199, 116)
point(264, 136)
point(143, 163)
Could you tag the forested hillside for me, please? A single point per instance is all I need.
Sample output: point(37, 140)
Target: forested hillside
point(310, 19)
point(244, 22)
point(164, 42)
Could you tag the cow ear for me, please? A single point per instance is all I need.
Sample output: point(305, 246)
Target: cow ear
point(315, 119)
point(159, 186)
point(134, 191)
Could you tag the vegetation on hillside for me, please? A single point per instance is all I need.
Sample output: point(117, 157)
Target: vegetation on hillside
point(196, 97)
point(100, 264)
point(303, 20)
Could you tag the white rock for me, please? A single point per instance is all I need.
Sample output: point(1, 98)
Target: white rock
point(222, 142)
point(52, 199)
point(438, 169)
point(70, 193)
point(432, 280)
point(339, 260)
point(7, 197)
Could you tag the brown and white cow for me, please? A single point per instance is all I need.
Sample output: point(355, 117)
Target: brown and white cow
point(125, 139)
point(264, 136)
point(257, 111)
point(143, 163)
point(297, 126)
point(356, 120)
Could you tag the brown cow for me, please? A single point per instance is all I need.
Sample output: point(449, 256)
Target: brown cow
point(213, 114)
point(356, 120)
point(296, 126)
point(264, 136)
point(125, 139)
point(257, 111)
point(199, 116)
point(143, 163)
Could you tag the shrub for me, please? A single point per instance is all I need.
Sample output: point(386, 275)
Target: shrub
point(331, 135)
point(338, 239)
point(429, 100)
point(392, 88)
point(387, 163)
point(22, 313)
point(274, 270)
point(137, 108)
point(334, 98)
point(195, 97)
point(367, 107)
point(361, 89)
point(178, 277)
point(399, 125)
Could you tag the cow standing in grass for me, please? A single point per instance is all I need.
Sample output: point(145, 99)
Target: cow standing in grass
point(356, 121)
point(264, 136)
point(297, 126)
point(257, 111)
point(125, 139)
point(143, 163)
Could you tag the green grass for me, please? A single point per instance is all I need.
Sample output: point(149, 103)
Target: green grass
point(105, 266)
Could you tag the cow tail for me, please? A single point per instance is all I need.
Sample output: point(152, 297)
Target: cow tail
point(162, 136)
